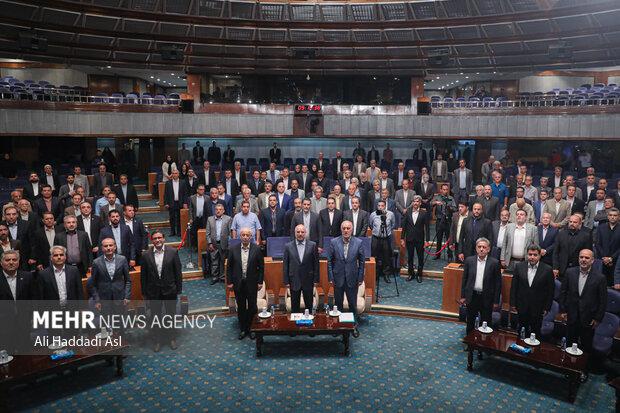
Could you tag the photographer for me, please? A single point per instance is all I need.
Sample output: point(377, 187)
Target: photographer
point(444, 208)
point(381, 222)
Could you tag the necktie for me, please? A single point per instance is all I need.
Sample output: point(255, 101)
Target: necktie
point(273, 222)
point(475, 229)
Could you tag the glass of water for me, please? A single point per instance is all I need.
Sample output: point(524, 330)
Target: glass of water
point(4, 356)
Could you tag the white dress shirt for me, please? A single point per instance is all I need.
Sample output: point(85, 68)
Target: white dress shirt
point(175, 189)
point(159, 259)
point(531, 273)
point(518, 242)
point(12, 284)
point(480, 267)
point(61, 282)
point(414, 216)
point(583, 278)
point(86, 222)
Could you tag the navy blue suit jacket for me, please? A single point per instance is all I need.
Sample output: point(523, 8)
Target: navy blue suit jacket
point(265, 222)
point(548, 243)
point(140, 237)
point(105, 288)
point(128, 247)
point(346, 272)
point(537, 212)
point(607, 242)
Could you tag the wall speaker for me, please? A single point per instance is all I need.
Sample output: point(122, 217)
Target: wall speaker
point(31, 41)
point(172, 54)
point(439, 57)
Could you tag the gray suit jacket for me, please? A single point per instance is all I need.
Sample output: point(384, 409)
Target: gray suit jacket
point(590, 213)
point(389, 185)
point(105, 288)
point(563, 213)
point(253, 205)
point(63, 192)
point(469, 182)
point(400, 199)
point(263, 201)
point(105, 210)
point(354, 170)
point(444, 171)
point(82, 181)
point(531, 238)
point(318, 205)
point(212, 230)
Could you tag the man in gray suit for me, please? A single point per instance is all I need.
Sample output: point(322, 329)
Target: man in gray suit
point(517, 238)
point(358, 167)
point(558, 208)
point(593, 207)
point(218, 234)
point(110, 282)
point(439, 169)
point(247, 196)
point(263, 198)
point(300, 269)
point(404, 198)
point(345, 269)
point(463, 181)
point(111, 205)
point(317, 201)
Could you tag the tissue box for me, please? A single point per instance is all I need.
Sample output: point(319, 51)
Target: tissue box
point(520, 349)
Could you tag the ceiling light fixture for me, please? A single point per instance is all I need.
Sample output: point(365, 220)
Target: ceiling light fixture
point(151, 77)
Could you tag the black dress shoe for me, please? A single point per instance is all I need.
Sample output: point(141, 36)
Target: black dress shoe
point(386, 279)
point(356, 332)
point(242, 335)
point(252, 336)
point(410, 277)
point(173, 344)
point(157, 347)
point(419, 278)
point(213, 281)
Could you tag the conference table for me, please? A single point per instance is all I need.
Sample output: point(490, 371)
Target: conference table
point(545, 355)
point(283, 325)
point(28, 368)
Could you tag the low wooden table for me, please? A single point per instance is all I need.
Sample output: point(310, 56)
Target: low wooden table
point(28, 368)
point(545, 355)
point(281, 325)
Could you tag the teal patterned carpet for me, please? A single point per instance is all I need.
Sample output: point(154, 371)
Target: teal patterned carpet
point(396, 365)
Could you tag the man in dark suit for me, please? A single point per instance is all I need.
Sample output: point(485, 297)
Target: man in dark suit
point(245, 280)
point(162, 281)
point(568, 244)
point(491, 206)
point(32, 190)
point(426, 190)
point(192, 181)
point(136, 226)
point(419, 156)
point(6, 243)
point(214, 154)
point(15, 285)
point(539, 205)
point(112, 204)
point(415, 235)
point(175, 198)
point(481, 285)
point(207, 176)
point(608, 244)
point(345, 269)
point(50, 178)
point(50, 203)
point(373, 155)
point(321, 163)
point(531, 291)
point(126, 192)
point(102, 179)
point(474, 227)
point(337, 165)
point(547, 235)
point(61, 283)
point(358, 218)
point(122, 235)
point(256, 184)
point(230, 184)
point(238, 175)
point(301, 269)
point(79, 249)
point(311, 219)
point(275, 154)
point(229, 156)
point(198, 153)
point(90, 224)
point(42, 241)
point(269, 216)
point(19, 229)
point(583, 298)
point(331, 218)
point(290, 215)
point(111, 292)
